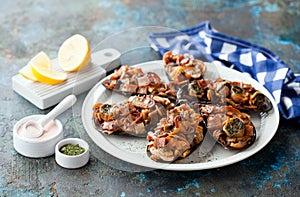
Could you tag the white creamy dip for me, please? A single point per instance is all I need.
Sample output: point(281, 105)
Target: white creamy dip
point(50, 130)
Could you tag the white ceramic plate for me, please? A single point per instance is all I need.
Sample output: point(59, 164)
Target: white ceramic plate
point(133, 149)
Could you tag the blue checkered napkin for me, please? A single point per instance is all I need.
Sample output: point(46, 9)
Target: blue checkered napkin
point(261, 64)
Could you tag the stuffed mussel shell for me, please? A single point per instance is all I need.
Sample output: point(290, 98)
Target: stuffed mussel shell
point(230, 127)
point(135, 116)
point(224, 92)
point(176, 136)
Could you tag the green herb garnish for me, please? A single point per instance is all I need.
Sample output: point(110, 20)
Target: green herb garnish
point(71, 149)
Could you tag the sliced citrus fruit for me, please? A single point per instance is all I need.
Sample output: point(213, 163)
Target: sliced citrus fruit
point(26, 72)
point(42, 59)
point(48, 76)
point(74, 53)
point(41, 68)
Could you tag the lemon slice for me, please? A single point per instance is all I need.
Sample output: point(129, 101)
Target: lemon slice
point(42, 59)
point(41, 68)
point(26, 72)
point(48, 76)
point(74, 53)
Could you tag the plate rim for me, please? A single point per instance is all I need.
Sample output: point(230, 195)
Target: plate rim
point(177, 166)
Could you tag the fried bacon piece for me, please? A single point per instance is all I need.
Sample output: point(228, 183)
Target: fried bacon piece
point(133, 81)
point(135, 116)
point(224, 92)
point(231, 128)
point(183, 68)
point(176, 135)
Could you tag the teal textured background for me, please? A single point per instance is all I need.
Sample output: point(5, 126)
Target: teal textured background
point(27, 27)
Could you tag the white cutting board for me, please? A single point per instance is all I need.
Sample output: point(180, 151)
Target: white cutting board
point(44, 96)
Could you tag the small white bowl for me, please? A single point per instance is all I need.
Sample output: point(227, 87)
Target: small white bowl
point(42, 146)
point(68, 161)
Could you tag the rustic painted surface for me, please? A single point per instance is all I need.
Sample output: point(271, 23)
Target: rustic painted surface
point(27, 27)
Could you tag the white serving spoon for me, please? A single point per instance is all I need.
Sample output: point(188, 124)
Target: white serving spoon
point(34, 129)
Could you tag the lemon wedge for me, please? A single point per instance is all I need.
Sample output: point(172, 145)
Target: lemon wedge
point(48, 76)
point(41, 68)
point(42, 59)
point(26, 72)
point(74, 53)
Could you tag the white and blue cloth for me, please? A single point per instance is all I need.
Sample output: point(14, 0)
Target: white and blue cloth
point(262, 64)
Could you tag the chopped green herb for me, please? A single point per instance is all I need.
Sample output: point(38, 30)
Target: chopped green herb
point(71, 149)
